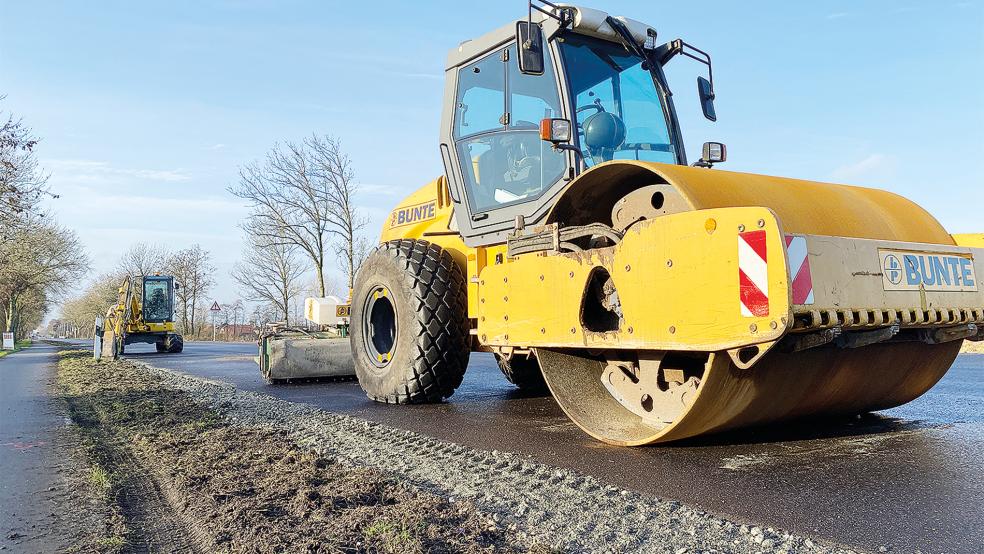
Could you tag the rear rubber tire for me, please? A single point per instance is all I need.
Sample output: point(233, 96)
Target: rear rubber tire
point(160, 346)
point(522, 371)
point(174, 344)
point(409, 332)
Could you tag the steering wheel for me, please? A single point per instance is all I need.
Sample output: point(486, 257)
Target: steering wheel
point(596, 105)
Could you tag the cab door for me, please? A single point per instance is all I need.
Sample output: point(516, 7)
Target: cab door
point(502, 167)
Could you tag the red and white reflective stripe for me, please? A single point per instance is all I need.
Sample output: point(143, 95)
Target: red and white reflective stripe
point(799, 269)
point(753, 274)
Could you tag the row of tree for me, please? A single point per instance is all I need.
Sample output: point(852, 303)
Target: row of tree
point(191, 267)
point(302, 215)
point(302, 212)
point(40, 261)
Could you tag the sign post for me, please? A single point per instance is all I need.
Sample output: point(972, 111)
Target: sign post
point(215, 309)
point(8, 341)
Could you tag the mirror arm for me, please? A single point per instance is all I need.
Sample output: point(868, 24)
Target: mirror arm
point(563, 18)
point(570, 147)
point(578, 155)
point(666, 52)
point(671, 49)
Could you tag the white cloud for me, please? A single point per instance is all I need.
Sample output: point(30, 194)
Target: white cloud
point(90, 171)
point(218, 146)
point(837, 15)
point(874, 166)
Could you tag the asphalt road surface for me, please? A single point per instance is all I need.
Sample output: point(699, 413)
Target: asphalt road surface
point(910, 478)
point(32, 506)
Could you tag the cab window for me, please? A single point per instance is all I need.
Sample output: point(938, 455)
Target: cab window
point(157, 300)
point(612, 89)
point(497, 138)
point(481, 97)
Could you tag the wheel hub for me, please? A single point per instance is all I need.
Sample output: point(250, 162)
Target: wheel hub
point(379, 326)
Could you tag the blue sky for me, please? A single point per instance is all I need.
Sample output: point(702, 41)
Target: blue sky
point(147, 109)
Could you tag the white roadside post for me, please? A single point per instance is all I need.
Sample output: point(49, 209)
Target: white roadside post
point(97, 337)
point(215, 309)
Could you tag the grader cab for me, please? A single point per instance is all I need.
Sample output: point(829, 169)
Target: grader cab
point(656, 300)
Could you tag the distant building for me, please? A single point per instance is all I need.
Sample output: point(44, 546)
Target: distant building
point(240, 332)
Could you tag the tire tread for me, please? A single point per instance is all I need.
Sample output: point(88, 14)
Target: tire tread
point(438, 290)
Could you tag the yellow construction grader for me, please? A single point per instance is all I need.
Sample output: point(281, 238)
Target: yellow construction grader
point(144, 318)
point(657, 300)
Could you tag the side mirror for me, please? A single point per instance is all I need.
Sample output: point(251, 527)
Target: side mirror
point(706, 93)
point(529, 44)
point(712, 153)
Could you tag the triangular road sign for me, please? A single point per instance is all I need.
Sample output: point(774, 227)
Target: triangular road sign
point(215, 306)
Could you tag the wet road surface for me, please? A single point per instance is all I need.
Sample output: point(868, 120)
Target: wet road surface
point(910, 478)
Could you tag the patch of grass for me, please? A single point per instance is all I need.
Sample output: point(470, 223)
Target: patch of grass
point(100, 479)
point(389, 537)
point(111, 543)
point(378, 528)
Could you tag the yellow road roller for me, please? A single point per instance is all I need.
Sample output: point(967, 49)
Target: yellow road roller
point(657, 299)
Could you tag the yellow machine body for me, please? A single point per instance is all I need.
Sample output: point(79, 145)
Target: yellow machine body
point(974, 240)
point(679, 284)
point(125, 321)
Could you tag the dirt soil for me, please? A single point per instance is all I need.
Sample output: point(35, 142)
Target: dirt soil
point(178, 477)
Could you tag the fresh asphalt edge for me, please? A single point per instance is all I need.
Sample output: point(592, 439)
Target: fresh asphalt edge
point(538, 503)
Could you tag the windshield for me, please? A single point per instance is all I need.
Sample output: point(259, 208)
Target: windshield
point(619, 114)
point(157, 300)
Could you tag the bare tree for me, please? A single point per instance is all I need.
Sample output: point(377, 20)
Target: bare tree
point(22, 183)
point(38, 258)
point(269, 272)
point(193, 271)
point(237, 310)
point(82, 310)
point(262, 315)
point(334, 167)
point(42, 260)
point(302, 196)
point(351, 255)
point(143, 259)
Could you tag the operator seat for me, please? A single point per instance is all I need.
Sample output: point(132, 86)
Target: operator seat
point(491, 172)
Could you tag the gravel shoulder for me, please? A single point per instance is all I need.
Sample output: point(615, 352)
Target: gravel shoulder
point(535, 504)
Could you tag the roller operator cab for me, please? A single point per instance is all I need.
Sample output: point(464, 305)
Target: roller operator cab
point(656, 300)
